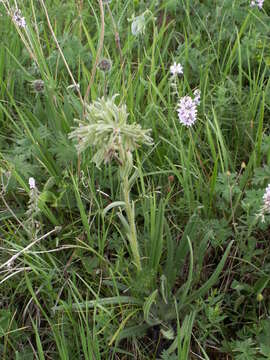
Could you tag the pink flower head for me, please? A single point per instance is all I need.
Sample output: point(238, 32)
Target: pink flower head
point(187, 111)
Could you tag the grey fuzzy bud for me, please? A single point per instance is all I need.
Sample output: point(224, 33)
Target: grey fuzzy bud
point(38, 85)
point(105, 65)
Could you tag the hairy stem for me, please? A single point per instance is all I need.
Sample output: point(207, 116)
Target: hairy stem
point(129, 207)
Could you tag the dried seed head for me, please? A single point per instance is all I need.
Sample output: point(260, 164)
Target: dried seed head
point(105, 65)
point(38, 85)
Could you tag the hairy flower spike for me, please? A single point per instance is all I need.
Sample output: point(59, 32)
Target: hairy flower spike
point(106, 130)
point(138, 23)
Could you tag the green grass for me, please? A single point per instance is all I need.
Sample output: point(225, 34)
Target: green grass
point(69, 284)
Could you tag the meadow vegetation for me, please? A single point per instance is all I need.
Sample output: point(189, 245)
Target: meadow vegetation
point(134, 168)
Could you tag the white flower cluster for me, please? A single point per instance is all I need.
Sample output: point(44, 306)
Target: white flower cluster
point(176, 69)
point(18, 19)
point(266, 199)
point(266, 204)
point(258, 3)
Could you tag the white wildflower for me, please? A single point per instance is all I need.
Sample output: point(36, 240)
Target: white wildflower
point(266, 205)
point(197, 96)
point(18, 19)
point(266, 199)
point(32, 183)
point(258, 3)
point(176, 69)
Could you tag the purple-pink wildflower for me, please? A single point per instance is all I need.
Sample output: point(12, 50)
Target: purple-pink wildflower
point(187, 111)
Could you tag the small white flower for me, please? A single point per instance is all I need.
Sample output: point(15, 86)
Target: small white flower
point(32, 183)
point(197, 96)
point(266, 199)
point(176, 69)
point(18, 19)
point(258, 3)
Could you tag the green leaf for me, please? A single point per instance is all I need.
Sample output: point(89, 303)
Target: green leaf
point(113, 205)
point(212, 280)
point(81, 209)
point(148, 317)
point(115, 300)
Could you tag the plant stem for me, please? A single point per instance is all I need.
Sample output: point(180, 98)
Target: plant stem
point(129, 206)
point(132, 236)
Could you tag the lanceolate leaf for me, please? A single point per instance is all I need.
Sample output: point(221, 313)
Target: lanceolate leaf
point(212, 280)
